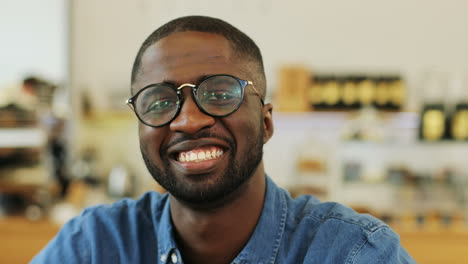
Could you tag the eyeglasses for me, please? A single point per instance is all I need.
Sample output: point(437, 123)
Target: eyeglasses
point(218, 95)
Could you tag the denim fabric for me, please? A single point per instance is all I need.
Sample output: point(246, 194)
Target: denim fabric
point(300, 230)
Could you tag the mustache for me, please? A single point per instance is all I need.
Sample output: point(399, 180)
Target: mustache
point(199, 135)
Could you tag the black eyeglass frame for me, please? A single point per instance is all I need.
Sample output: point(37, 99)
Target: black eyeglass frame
point(243, 83)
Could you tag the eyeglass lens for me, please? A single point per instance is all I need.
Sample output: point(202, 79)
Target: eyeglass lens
point(217, 96)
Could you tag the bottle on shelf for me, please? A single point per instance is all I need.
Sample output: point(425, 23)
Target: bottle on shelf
point(397, 93)
point(331, 92)
point(458, 101)
point(349, 92)
point(433, 124)
point(382, 92)
point(366, 91)
point(314, 92)
point(459, 122)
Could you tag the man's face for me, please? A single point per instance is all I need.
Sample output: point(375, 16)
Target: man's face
point(227, 150)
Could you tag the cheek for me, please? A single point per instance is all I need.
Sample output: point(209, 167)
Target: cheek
point(245, 128)
point(150, 140)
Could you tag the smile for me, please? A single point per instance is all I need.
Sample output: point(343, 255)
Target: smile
point(200, 154)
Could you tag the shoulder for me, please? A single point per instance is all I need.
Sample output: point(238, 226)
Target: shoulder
point(308, 208)
point(305, 207)
point(329, 230)
point(99, 230)
point(143, 208)
point(121, 219)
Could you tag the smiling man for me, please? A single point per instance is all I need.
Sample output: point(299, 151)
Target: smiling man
point(203, 125)
point(198, 89)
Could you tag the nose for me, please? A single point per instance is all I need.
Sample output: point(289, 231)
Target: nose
point(190, 118)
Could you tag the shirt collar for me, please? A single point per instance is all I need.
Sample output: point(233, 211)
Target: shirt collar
point(264, 243)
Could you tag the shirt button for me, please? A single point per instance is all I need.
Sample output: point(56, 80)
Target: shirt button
point(163, 257)
point(174, 258)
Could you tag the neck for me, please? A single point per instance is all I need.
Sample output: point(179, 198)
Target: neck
point(218, 235)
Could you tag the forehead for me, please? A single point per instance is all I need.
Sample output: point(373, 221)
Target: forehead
point(185, 57)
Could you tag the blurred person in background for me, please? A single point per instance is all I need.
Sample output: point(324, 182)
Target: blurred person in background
point(21, 96)
point(198, 89)
point(31, 104)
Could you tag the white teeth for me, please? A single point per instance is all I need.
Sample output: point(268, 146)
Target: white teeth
point(193, 156)
point(201, 155)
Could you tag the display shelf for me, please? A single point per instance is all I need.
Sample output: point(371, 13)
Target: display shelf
point(326, 120)
point(22, 137)
point(24, 168)
point(324, 134)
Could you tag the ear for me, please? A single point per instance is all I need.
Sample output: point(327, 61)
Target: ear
point(267, 122)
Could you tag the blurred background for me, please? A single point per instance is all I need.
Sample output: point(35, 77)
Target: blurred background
point(370, 97)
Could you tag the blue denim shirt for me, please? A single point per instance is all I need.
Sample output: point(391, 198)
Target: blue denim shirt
point(301, 230)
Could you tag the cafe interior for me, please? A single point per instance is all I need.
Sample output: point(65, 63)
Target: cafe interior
point(370, 110)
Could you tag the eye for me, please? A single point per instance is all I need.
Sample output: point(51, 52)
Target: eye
point(161, 106)
point(218, 96)
point(219, 92)
point(157, 100)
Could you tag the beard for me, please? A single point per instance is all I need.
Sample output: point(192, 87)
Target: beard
point(207, 189)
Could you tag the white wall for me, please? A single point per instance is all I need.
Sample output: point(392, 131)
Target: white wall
point(33, 40)
point(404, 36)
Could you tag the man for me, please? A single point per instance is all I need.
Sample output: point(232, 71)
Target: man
point(198, 87)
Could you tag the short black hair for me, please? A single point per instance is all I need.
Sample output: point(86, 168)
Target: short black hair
point(241, 44)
